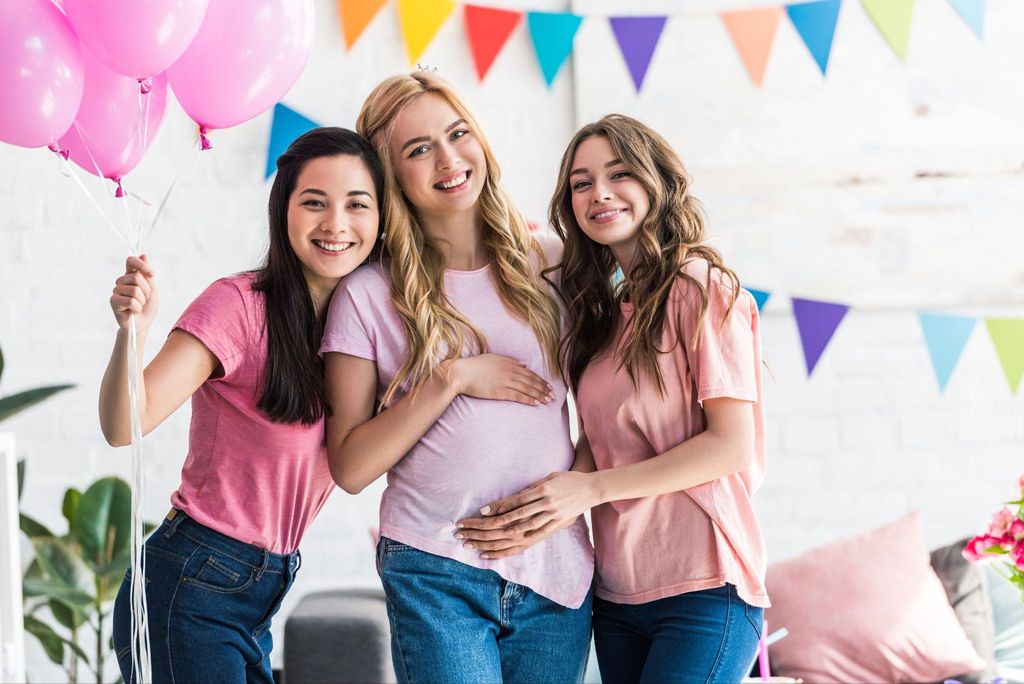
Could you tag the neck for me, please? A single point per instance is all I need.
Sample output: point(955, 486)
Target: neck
point(624, 255)
point(459, 237)
point(320, 292)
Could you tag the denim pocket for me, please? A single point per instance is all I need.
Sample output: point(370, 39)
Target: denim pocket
point(217, 572)
point(755, 616)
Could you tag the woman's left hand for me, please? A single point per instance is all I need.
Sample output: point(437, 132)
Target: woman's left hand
point(511, 525)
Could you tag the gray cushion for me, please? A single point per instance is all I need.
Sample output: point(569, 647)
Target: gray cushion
point(967, 589)
point(338, 636)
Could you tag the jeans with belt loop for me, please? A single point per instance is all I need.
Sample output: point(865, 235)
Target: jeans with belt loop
point(210, 602)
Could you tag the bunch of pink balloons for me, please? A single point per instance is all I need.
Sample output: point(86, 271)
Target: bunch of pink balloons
point(89, 78)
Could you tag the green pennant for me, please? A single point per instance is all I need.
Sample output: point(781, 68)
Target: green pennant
point(892, 17)
point(1008, 337)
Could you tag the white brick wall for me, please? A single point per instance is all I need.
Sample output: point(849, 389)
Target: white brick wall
point(811, 190)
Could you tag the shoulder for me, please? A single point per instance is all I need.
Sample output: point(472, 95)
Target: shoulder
point(698, 277)
point(230, 291)
point(370, 278)
point(547, 250)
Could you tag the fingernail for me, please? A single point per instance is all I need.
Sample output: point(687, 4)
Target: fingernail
point(485, 510)
point(467, 545)
point(460, 536)
point(485, 556)
point(459, 525)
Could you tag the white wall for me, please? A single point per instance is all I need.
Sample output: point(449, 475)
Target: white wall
point(811, 190)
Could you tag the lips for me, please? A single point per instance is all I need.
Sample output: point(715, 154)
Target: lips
point(333, 247)
point(454, 182)
point(606, 215)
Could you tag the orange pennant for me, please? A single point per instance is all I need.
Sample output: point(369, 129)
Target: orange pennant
point(753, 32)
point(488, 29)
point(355, 16)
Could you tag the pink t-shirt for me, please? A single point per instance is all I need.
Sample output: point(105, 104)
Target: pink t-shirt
point(246, 476)
point(478, 450)
point(705, 536)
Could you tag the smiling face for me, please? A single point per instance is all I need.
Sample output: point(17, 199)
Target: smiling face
point(438, 159)
point(609, 203)
point(333, 218)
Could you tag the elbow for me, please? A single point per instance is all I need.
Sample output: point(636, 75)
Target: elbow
point(350, 482)
point(112, 436)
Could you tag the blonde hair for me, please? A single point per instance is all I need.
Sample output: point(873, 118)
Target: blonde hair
point(433, 326)
point(672, 232)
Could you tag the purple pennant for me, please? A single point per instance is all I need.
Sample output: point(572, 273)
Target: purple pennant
point(637, 38)
point(817, 322)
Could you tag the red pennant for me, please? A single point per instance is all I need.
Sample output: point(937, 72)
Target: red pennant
point(488, 30)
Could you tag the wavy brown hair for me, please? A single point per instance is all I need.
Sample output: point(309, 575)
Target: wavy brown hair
point(435, 330)
point(672, 232)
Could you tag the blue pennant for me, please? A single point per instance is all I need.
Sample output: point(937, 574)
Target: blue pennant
point(286, 126)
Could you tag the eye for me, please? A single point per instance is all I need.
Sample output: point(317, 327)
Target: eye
point(580, 185)
point(313, 203)
point(458, 134)
point(621, 174)
point(359, 205)
point(422, 149)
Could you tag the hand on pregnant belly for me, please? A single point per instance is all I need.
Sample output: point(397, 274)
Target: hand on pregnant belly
point(511, 525)
point(492, 376)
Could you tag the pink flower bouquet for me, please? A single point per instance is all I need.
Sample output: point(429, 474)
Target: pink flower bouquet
point(1004, 540)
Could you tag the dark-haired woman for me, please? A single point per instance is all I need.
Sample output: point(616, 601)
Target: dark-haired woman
point(666, 369)
point(256, 473)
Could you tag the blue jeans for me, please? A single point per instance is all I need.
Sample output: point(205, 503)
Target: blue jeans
point(210, 601)
point(708, 636)
point(451, 622)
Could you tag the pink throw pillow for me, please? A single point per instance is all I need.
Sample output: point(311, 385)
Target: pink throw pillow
point(867, 609)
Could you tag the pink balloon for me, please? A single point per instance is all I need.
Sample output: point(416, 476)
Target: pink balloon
point(137, 38)
point(40, 72)
point(246, 56)
point(106, 133)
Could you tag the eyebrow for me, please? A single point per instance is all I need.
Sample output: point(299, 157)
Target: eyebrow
point(321, 193)
point(580, 170)
point(413, 141)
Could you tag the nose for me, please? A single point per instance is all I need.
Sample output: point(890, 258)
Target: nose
point(600, 192)
point(445, 157)
point(335, 220)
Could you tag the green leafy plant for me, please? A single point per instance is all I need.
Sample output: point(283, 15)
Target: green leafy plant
point(75, 576)
point(17, 403)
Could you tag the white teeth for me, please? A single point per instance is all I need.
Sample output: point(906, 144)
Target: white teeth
point(333, 246)
point(458, 180)
point(605, 214)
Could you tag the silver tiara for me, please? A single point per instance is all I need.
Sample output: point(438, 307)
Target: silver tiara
point(426, 67)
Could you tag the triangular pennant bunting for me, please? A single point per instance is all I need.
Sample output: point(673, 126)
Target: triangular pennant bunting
point(552, 34)
point(816, 24)
point(488, 29)
point(286, 125)
point(892, 17)
point(637, 38)
point(420, 21)
point(1008, 337)
point(760, 297)
point(355, 16)
point(972, 12)
point(817, 322)
point(753, 32)
point(946, 337)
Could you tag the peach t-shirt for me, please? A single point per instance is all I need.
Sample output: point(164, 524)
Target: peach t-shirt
point(705, 536)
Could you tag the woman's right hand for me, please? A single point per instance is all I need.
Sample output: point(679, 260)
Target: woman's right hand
point(135, 293)
point(492, 376)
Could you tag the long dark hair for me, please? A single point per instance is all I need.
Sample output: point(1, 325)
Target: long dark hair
point(673, 232)
point(293, 387)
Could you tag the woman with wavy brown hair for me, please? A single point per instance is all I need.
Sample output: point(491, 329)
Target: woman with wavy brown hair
point(665, 363)
point(442, 370)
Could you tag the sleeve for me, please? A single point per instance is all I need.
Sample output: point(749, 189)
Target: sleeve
point(219, 319)
point(349, 327)
point(725, 362)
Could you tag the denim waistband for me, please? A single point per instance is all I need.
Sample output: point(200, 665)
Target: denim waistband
point(179, 522)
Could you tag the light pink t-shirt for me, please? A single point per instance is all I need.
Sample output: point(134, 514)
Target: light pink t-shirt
point(478, 450)
point(705, 536)
point(246, 476)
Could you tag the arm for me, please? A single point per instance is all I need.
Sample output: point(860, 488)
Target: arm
point(181, 366)
point(725, 447)
point(361, 447)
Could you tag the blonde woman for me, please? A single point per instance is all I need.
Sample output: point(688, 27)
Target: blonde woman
point(454, 338)
point(666, 369)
